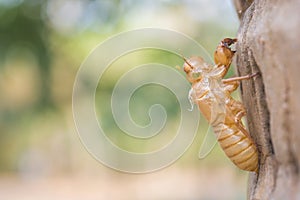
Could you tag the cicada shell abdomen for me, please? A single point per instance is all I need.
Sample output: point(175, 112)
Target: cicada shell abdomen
point(238, 147)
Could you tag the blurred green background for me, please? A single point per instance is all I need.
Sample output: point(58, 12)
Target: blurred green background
point(42, 44)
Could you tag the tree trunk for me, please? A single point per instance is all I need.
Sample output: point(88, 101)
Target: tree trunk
point(269, 42)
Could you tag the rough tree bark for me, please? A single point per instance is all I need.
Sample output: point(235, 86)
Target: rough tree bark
point(269, 42)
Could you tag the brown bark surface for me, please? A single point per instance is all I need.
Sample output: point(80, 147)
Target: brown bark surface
point(269, 42)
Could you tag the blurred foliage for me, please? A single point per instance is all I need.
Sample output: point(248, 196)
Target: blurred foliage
point(42, 44)
point(22, 31)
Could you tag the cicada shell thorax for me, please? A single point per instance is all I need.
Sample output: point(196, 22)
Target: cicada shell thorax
point(223, 54)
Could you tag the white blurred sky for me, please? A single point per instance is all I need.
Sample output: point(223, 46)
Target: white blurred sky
point(73, 15)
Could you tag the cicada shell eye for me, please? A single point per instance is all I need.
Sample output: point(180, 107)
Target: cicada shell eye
point(196, 75)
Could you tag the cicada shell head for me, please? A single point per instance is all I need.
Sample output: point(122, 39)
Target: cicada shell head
point(195, 67)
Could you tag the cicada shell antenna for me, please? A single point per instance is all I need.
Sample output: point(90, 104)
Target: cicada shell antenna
point(186, 61)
